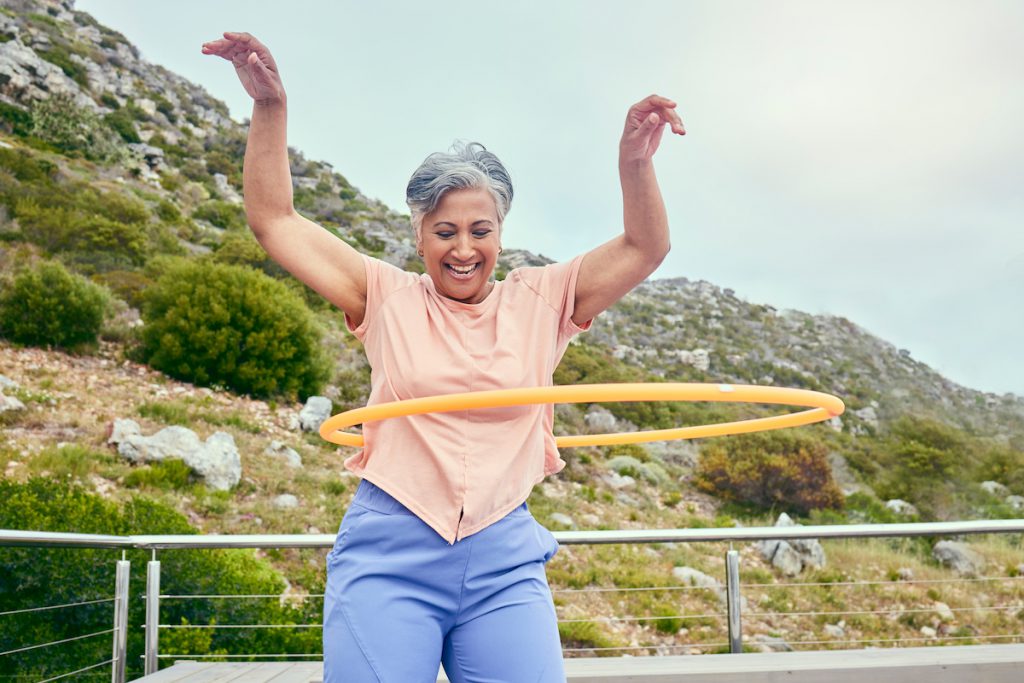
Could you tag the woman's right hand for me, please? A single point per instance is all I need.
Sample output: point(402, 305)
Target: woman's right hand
point(253, 63)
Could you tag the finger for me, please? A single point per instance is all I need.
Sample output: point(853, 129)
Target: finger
point(249, 42)
point(654, 101)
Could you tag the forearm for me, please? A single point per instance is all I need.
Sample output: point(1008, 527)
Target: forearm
point(266, 176)
point(644, 217)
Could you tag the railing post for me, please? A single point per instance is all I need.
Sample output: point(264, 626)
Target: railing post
point(732, 594)
point(152, 614)
point(120, 620)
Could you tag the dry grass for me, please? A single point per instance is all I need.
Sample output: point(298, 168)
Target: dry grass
point(71, 403)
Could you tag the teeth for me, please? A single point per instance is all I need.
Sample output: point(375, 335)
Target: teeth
point(466, 270)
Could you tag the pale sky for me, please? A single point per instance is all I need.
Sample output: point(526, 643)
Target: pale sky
point(862, 159)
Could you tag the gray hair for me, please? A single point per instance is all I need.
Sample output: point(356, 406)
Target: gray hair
point(470, 166)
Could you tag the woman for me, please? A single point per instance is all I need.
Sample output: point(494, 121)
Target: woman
point(438, 559)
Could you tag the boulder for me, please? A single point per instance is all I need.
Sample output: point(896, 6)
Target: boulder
point(995, 488)
point(10, 403)
point(278, 449)
point(1016, 502)
point(286, 501)
point(901, 507)
point(7, 383)
point(599, 420)
point(958, 557)
point(562, 520)
point(315, 412)
point(216, 461)
point(792, 556)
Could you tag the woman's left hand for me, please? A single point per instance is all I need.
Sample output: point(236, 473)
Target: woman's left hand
point(645, 124)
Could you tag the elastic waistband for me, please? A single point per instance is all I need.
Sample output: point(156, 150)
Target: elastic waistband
point(373, 497)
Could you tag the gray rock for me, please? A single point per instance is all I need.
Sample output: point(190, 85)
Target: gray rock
point(7, 383)
point(25, 76)
point(591, 520)
point(286, 501)
point(928, 632)
point(792, 556)
point(216, 461)
point(944, 612)
point(771, 643)
point(901, 507)
point(562, 520)
point(1016, 502)
point(276, 448)
point(315, 412)
point(617, 481)
point(228, 193)
point(599, 420)
point(958, 557)
point(905, 574)
point(837, 631)
point(680, 453)
point(844, 477)
point(10, 403)
point(995, 488)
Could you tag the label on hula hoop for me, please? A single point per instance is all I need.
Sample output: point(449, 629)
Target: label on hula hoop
point(823, 407)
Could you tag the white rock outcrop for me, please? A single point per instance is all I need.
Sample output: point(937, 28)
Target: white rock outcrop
point(216, 461)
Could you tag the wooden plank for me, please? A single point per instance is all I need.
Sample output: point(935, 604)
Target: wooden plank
point(955, 664)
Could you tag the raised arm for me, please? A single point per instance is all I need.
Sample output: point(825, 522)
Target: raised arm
point(323, 261)
point(611, 270)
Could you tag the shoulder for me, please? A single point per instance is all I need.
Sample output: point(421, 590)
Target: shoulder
point(551, 282)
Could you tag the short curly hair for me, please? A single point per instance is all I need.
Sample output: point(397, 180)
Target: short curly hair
point(468, 166)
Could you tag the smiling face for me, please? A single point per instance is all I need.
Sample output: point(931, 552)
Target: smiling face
point(460, 240)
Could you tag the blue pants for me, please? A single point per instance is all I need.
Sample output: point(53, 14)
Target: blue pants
point(400, 600)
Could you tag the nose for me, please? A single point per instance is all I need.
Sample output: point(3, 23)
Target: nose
point(463, 247)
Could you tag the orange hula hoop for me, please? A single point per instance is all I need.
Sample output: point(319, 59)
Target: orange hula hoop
point(822, 407)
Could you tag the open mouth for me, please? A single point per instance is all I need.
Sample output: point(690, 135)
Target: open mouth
point(461, 272)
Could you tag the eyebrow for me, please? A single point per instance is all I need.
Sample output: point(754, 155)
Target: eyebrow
point(482, 220)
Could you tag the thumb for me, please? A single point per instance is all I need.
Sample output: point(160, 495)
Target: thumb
point(652, 121)
point(258, 69)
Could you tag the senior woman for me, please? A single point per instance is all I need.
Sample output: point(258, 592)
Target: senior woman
point(438, 559)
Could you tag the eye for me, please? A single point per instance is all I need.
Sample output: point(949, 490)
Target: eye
point(444, 234)
point(481, 233)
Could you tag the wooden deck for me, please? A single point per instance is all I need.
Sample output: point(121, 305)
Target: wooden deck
point(973, 663)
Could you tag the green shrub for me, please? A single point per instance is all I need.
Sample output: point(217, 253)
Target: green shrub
point(122, 121)
point(47, 305)
point(128, 285)
point(71, 229)
point(32, 577)
point(74, 130)
point(222, 214)
point(60, 56)
point(241, 249)
point(212, 323)
point(770, 469)
point(170, 474)
point(26, 167)
point(15, 120)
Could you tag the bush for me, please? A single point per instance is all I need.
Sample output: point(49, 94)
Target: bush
point(33, 577)
point(26, 167)
point(70, 229)
point(126, 285)
point(74, 130)
point(242, 249)
point(212, 323)
point(47, 305)
point(222, 214)
point(770, 469)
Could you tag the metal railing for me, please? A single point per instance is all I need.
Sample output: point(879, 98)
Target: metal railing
point(732, 586)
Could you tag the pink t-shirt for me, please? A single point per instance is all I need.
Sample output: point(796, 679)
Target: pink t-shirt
point(481, 464)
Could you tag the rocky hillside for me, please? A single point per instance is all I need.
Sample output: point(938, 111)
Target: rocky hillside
point(109, 164)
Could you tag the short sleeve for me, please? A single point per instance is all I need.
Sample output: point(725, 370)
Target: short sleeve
point(556, 284)
point(382, 280)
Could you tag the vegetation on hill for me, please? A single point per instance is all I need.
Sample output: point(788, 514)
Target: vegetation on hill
point(120, 218)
